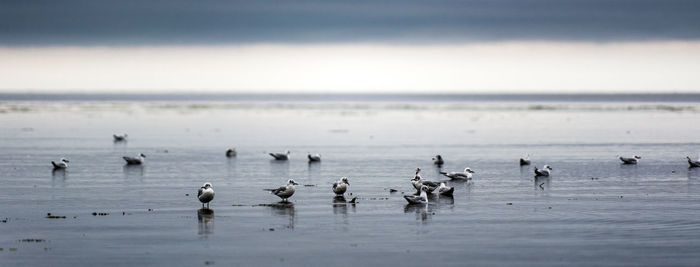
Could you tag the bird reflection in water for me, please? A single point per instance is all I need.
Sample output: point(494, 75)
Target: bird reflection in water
point(133, 171)
point(422, 211)
point(58, 173)
point(446, 200)
point(205, 217)
point(340, 205)
point(284, 209)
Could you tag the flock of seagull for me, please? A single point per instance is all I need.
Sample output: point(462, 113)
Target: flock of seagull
point(205, 193)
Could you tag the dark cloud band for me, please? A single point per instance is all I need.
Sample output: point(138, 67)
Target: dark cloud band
point(138, 22)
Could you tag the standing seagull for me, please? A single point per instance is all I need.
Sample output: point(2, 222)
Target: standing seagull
point(420, 199)
point(693, 163)
point(543, 172)
point(446, 190)
point(340, 186)
point(231, 152)
point(437, 160)
point(466, 175)
point(314, 157)
point(525, 161)
point(418, 182)
point(205, 194)
point(280, 156)
point(119, 138)
point(138, 160)
point(284, 192)
point(62, 164)
point(632, 160)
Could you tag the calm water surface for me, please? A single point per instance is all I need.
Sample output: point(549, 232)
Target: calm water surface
point(592, 211)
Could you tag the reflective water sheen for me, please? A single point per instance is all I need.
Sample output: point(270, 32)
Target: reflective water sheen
point(592, 211)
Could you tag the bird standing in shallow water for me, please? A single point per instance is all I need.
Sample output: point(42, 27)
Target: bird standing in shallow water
point(314, 157)
point(544, 171)
point(61, 164)
point(284, 192)
point(419, 199)
point(445, 190)
point(138, 160)
point(205, 194)
point(437, 160)
point(525, 161)
point(340, 186)
point(632, 160)
point(693, 163)
point(418, 182)
point(119, 138)
point(280, 156)
point(466, 175)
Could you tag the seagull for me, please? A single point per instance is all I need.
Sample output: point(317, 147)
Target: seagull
point(284, 192)
point(313, 157)
point(543, 172)
point(632, 160)
point(466, 175)
point(205, 194)
point(340, 186)
point(138, 160)
point(693, 163)
point(418, 182)
point(437, 160)
point(280, 156)
point(420, 199)
point(118, 138)
point(62, 164)
point(445, 190)
point(231, 152)
point(525, 161)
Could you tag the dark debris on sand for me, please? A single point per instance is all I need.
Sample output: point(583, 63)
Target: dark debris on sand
point(49, 216)
point(32, 240)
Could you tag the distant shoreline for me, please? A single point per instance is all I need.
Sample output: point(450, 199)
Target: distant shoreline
point(317, 97)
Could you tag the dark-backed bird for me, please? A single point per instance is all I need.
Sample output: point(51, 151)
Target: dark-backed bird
point(280, 156)
point(138, 160)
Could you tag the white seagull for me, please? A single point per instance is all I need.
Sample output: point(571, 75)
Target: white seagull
point(693, 163)
point(62, 164)
point(138, 160)
point(632, 160)
point(280, 156)
point(205, 194)
point(284, 192)
point(340, 186)
point(118, 138)
point(466, 175)
point(314, 157)
point(544, 171)
point(418, 182)
point(420, 199)
point(231, 152)
point(446, 190)
point(437, 160)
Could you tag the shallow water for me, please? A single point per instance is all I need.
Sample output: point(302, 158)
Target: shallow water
point(592, 211)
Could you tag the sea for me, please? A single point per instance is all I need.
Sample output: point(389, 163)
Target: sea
point(591, 211)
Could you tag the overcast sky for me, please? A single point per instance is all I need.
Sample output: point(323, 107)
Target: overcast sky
point(319, 46)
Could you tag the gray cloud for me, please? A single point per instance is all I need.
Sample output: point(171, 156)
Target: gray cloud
point(157, 22)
